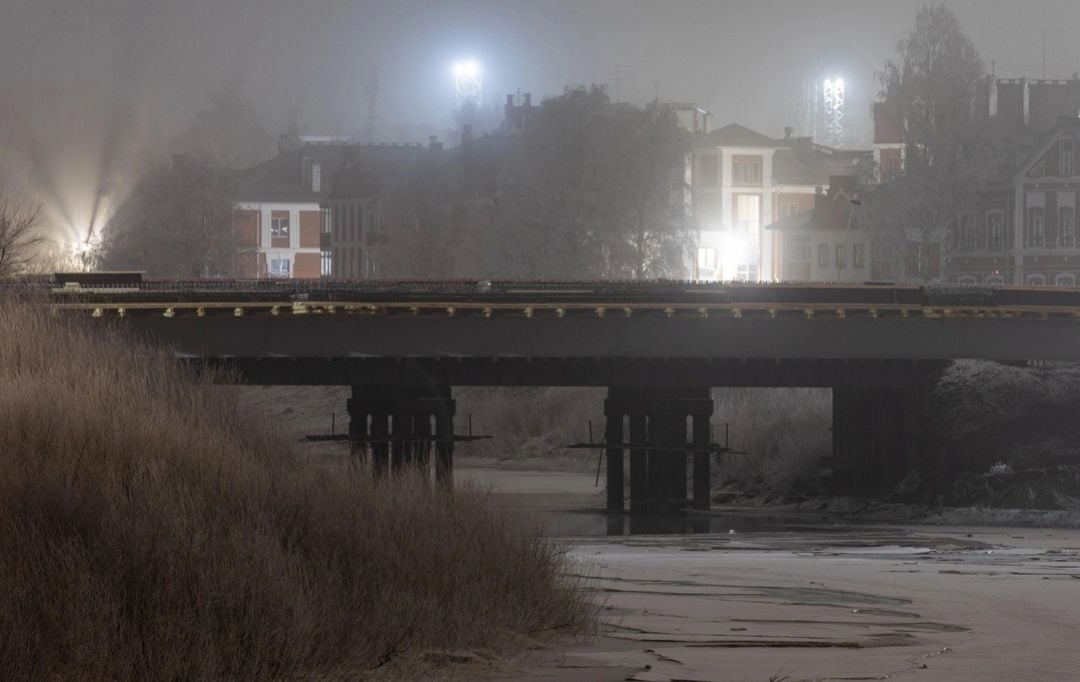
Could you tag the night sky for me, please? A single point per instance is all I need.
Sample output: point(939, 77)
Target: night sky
point(74, 72)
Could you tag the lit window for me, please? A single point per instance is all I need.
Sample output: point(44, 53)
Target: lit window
point(747, 272)
point(1066, 157)
point(279, 225)
point(995, 230)
point(706, 258)
point(1066, 226)
point(326, 263)
point(1035, 226)
point(279, 267)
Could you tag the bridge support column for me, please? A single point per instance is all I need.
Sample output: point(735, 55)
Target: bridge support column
point(400, 433)
point(878, 435)
point(658, 447)
point(613, 436)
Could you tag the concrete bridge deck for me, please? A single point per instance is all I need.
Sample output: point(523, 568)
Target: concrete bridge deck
point(657, 346)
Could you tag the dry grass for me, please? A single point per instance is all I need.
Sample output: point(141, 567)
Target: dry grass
point(532, 422)
point(784, 433)
point(153, 529)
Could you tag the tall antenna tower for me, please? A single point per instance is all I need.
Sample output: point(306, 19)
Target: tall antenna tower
point(468, 84)
point(833, 100)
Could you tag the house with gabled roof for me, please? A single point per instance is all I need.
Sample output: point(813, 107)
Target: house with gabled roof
point(743, 181)
point(1023, 227)
point(278, 222)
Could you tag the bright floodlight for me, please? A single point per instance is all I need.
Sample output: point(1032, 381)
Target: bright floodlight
point(467, 81)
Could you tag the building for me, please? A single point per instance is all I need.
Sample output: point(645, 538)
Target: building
point(826, 243)
point(742, 181)
point(364, 209)
point(1021, 228)
point(278, 222)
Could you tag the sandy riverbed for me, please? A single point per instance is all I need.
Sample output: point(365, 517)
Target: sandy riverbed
point(758, 597)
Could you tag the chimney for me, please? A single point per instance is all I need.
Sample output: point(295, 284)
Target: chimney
point(316, 177)
point(1027, 100)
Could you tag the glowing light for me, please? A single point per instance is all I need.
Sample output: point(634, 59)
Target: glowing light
point(468, 81)
point(735, 249)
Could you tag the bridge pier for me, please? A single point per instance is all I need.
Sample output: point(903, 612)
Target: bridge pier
point(394, 424)
point(658, 443)
point(879, 435)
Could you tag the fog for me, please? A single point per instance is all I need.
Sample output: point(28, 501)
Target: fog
point(92, 88)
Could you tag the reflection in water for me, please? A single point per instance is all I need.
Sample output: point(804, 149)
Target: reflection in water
point(596, 523)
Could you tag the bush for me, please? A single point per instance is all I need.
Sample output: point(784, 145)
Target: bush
point(153, 528)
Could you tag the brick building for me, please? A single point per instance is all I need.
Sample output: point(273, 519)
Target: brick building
point(278, 222)
point(1022, 227)
point(743, 181)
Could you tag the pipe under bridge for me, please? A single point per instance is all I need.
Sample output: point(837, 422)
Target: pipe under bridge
point(658, 347)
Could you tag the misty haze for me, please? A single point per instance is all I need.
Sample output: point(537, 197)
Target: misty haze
point(539, 340)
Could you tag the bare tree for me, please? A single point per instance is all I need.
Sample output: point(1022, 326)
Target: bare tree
point(176, 223)
point(591, 192)
point(929, 93)
point(227, 131)
point(20, 235)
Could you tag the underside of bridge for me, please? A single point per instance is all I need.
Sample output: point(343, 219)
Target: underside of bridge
point(658, 443)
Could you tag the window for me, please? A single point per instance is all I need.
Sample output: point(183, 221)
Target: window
point(799, 249)
point(748, 213)
point(706, 258)
point(857, 255)
point(1036, 280)
point(1065, 279)
point(1066, 226)
point(823, 256)
point(747, 272)
point(709, 165)
point(841, 256)
point(371, 264)
point(279, 224)
point(1035, 226)
point(326, 264)
point(1066, 157)
point(279, 267)
point(967, 231)
point(995, 230)
point(746, 170)
point(1038, 170)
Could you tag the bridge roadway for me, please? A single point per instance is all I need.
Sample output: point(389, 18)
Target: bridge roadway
point(658, 347)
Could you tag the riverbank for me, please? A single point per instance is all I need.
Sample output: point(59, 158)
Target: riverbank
point(794, 594)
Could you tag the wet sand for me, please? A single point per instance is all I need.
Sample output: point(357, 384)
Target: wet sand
point(744, 596)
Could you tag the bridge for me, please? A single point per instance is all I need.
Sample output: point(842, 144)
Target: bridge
point(658, 347)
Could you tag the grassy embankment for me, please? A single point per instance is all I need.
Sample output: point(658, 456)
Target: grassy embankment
point(153, 528)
